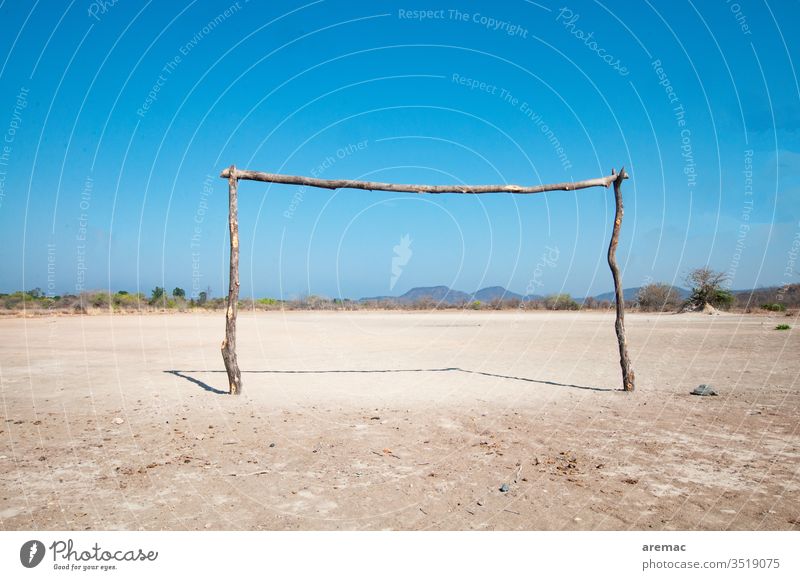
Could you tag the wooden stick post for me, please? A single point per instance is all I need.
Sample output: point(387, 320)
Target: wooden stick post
point(229, 343)
point(619, 325)
point(411, 188)
point(233, 175)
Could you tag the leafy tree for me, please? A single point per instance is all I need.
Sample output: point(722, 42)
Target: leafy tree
point(202, 298)
point(707, 288)
point(157, 295)
point(179, 293)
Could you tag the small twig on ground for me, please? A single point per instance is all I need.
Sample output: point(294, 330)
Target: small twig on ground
point(512, 512)
point(385, 453)
point(519, 472)
point(423, 511)
point(262, 472)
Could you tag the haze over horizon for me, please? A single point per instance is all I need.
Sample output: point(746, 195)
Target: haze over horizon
point(117, 119)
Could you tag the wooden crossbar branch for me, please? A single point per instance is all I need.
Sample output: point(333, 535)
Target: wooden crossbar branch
point(233, 176)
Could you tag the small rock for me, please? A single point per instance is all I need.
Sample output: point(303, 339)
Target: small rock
point(480, 502)
point(576, 519)
point(504, 488)
point(704, 391)
point(272, 445)
point(199, 437)
point(118, 420)
point(375, 418)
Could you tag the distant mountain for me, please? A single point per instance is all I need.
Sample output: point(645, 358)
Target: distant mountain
point(495, 293)
point(435, 293)
point(439, 294)
point(788, 295)
point(445, 295)
point(630, 294)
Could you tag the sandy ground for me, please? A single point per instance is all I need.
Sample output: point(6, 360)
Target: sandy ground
point(375, 420)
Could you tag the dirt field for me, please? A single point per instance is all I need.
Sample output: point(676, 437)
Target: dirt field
point(375, 420)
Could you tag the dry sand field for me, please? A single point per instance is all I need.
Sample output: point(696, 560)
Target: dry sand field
point(399, 420)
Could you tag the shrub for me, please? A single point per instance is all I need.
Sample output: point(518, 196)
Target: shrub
point(128, 301)
point(657, 297)
point(774, 307)
point(475, 305)
point(99, 299)
point(783, 327)
point(560, 302)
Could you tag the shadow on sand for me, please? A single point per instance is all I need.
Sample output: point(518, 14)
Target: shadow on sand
point(211, 389)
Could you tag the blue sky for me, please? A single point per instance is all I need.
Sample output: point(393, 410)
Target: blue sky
point(118, 117)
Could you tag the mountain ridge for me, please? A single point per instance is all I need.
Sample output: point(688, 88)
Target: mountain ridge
point(447, 295)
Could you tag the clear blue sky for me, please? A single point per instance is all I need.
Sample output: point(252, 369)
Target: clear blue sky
point(116, 119)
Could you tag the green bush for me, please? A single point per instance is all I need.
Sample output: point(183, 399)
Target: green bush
point(774, 307)
point(99, 299)
point(783, 327)
point(127, 301)
point(560, 302)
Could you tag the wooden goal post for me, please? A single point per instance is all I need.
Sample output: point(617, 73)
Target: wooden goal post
point(233, 176)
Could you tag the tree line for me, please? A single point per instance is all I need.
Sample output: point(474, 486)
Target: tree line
point(706, 288)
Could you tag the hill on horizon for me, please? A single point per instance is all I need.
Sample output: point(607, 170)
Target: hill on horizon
point(450, 296)
point(444, 294)
point(630, 294)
